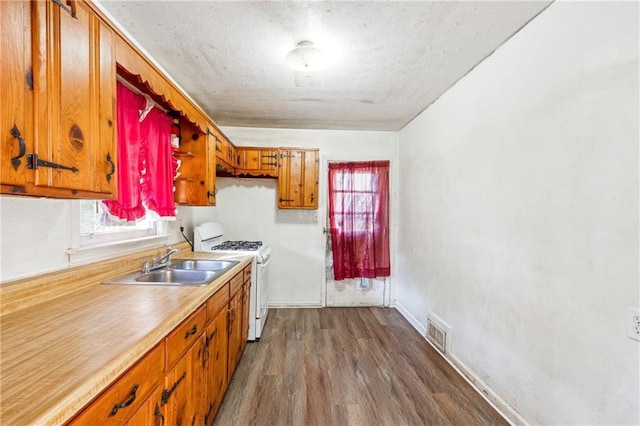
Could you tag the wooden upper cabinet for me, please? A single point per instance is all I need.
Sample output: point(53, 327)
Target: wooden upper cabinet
point(58, 122)
point(16, 118)
point(210, 165)
point(74, 78)
point(195, 186)
point(298, 178)
point(257, 162)
point(225, 154)
point(233, 156)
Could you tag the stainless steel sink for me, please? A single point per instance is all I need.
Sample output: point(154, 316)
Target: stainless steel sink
point(167, 277)
point(187, 272)
point(178, 276)
point(204, 264)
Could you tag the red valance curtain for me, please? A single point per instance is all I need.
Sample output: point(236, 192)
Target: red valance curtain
point(359, 219)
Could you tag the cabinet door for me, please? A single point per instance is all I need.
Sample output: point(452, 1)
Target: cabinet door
point(74, 77)
point(215, 366)
point(17, 87)
point(310, 179)
point(211, 169)
point(298, 179)
point(259, 162)
point(245, 313)
point(107, 153)
point(235, 332)
point(232, 159)
point(222, 148)
point(179, 401)
point(149, 413)
point(193, 185)
point(198, 385)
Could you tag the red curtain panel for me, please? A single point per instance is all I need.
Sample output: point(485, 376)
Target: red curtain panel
point(128, 206)
point(157, 165)
point(359, 219)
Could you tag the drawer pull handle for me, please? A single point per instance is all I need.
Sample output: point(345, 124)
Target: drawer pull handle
point(191, 332)
point(125, 404)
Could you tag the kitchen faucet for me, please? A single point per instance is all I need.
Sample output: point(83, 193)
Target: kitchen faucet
point(164, 261)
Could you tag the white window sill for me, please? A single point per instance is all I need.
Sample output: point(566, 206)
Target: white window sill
point(93, 253)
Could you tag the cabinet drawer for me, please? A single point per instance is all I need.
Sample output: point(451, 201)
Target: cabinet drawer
point(121, 400)
point(180, 339)
point(218, 301)
point(236, 283)
point(247, 273)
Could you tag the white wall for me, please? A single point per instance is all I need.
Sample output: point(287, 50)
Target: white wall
point(35, 234)
point(248, 207)
point(524, 234)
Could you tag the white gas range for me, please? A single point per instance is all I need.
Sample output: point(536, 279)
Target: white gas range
point(209, 237)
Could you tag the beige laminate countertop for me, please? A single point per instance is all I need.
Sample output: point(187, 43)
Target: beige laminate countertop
point(58, 355)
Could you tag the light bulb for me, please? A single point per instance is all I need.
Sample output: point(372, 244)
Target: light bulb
point(305, 57)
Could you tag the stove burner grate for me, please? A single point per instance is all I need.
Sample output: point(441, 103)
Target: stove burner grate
point(238, 245)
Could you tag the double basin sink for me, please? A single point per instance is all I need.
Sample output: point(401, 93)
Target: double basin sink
point(187, 272)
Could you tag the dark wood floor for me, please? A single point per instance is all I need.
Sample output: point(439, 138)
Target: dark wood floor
point(347, 366)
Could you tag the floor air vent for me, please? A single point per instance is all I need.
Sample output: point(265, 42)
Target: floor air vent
point(437, 336)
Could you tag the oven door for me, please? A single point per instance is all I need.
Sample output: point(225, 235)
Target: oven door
point(262, 294)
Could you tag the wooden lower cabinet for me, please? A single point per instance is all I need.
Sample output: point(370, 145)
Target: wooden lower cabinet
point(179, 401)
point(122, 399)
point(149, 413)
point(246, 288)
point(235, 331)
point(182, 380)
point(215, 365)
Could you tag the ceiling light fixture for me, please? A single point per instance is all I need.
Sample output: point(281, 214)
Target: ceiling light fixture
point(306, 57)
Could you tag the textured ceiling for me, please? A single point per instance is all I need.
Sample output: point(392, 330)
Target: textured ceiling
point(390, 59)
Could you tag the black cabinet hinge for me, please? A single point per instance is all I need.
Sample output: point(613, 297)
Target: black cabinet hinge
point(33, 162)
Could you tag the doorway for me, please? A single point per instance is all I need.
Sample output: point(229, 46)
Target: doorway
point(355, 196)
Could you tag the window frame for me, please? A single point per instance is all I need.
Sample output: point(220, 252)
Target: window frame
point(360, 192)
point(86, 249)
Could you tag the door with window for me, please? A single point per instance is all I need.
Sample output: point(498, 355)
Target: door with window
point(357, 243)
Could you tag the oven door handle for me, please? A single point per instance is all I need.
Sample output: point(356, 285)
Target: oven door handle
point(264, 264)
